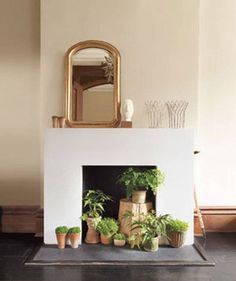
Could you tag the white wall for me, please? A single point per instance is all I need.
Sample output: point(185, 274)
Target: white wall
point(19, 106)
point(217, 92)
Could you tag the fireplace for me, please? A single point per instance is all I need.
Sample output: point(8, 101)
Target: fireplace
point(105, 178)
point(72, 155)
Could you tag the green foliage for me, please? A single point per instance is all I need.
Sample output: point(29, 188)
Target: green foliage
point(61, 230)
point(108, 226)
point(135, 240)
point(74, 229)
point(176, 225)
point(150, 226)
point(134, 180)
point(94, 201)
point(119, 236)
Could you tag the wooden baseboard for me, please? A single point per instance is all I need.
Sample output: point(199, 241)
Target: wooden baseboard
point(21, 219)
point(216, 219)
point(29, 219)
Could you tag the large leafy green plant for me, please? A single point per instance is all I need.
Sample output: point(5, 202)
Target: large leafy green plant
point(134, 179)
point(150, 226)
point(94, 202)
point(108, 226)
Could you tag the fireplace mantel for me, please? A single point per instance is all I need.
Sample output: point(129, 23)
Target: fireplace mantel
point(66, 151)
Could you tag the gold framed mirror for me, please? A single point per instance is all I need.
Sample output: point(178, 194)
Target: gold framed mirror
point(92, 85)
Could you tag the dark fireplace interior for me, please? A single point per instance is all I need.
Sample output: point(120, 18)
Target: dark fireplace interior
point(105, 178)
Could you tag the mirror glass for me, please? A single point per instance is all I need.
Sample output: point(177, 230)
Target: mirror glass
point(92, 97)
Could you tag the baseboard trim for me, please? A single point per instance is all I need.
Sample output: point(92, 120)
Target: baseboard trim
point(29, 219)
point(21, 219)
point(216, 219)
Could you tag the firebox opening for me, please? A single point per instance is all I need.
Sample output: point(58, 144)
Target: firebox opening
point(105, 178)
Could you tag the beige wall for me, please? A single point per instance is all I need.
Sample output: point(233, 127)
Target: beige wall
point(98, 105)
point(217, 89)
point(19, 94)
point(158, 42)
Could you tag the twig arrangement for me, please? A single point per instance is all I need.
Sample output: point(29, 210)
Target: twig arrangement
point(176, 110)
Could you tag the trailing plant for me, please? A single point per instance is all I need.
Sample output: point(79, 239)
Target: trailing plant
point(150, 226)
point(94, 201)
point(119, 236)
point(108, 226)
point(134, 180)
point(61, 230)
point(74, 229)
point(176, 225)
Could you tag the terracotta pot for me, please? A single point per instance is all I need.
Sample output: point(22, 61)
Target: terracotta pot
point(92, 236)
point(61, 240)
point(139, 196)
point(176, 239)
point(152, 246)
point(74, 240)
point(55, 121)
point(119, 243)
point(106, 240)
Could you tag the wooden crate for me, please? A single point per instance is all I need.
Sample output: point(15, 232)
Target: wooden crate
point(136, 209)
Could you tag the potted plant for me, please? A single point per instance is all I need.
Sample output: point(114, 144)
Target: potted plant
point(176, 232)
point(107, 227)
point(94, 202)
point(61, 232)
point(138, 182)
point(150, 227)
point(119, 239)
point(135, 240)
point(74, 234)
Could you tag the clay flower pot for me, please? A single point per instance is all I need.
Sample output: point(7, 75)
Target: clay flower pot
point(92, 236)
point(176, 239)
point(106, 239)
point(119, 243)
point(139, 196)
point(74, 239)
point(61, 240)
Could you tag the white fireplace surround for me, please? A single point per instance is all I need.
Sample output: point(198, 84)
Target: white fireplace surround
point(68, 150)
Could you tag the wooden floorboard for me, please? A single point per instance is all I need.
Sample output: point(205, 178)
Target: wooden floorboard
point(14, 250)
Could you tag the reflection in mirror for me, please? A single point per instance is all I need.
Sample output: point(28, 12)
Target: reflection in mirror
point(92, 85)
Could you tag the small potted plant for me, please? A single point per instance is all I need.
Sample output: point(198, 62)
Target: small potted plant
point(135, 240)
point(150, 227)
point(61, 232)
point(138, 182)
point(176, 232)
point(119, 239)
point(107, 227)
point(94, 201)
point(74, 235)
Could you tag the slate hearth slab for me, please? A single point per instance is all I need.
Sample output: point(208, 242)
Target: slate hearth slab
point(110, 255)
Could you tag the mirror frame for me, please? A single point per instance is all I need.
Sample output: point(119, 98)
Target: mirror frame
point(68, 85)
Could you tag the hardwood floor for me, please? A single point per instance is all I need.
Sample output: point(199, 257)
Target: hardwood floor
point(14, 249)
